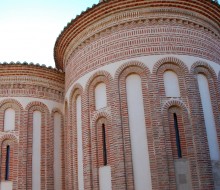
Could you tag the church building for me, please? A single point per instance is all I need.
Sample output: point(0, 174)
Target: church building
point(133, 103)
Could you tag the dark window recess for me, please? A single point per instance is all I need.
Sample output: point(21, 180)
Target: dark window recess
point(177, 136)
point(7, 163)
point(104, 145)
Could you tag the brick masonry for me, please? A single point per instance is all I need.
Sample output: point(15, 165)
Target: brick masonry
point(107, 43)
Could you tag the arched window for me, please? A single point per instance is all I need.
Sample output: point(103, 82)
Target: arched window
point(177, 140)
point(100, 96)
point(8, 165)
point(105, 160)
point(9, 120)
point(7, 162)
point(179, 151)
point(171, 84)
point(105, 176)
point(177, 133)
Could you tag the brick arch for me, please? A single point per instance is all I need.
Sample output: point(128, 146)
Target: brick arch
point(13, 138)
point(10, 137)
point(178, 67)
point(172, 60)
point(201, 67)
point(12, 101)
point(186, 137)
point(88, 109)
point(76, 91)
point(90, 112)
point(96, 139)
point(12, 141)
point(98, 73)
point(99, 115)
point(95, 79)
point(17, 107)
point(174, 103)
point(37, 106)
point(46, 141)
point(122, 73)
point(76, 87)
point(132, 64)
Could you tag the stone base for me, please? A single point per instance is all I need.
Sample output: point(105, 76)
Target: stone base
point(105, 178)
point(216, 173)
point(183, 177)
point(6, 185)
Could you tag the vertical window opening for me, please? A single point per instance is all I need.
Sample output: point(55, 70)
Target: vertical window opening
point(7, 163)
point(177, 136)
point(104, 146)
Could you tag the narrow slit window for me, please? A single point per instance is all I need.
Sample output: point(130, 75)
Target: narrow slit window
point(177, 136)
point(104, 145)
point(7, 163)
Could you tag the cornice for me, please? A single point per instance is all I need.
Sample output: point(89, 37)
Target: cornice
point(31, 71)
point(25, 86)
point(209, 9)
point(25, 80)
point(145, 19)
point(32, 64)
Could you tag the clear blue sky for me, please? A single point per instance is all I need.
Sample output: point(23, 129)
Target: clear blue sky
point(29, 28)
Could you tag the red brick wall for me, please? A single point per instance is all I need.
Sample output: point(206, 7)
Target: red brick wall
point(109, 15)
point(19, 80)
point(120, 31)
point(128, 31)
point(51, 136)
point(13, 161)
point(29, 81)
point(159, 123)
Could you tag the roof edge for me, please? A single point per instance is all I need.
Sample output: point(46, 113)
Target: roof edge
point(89, 9)
point(32, 64)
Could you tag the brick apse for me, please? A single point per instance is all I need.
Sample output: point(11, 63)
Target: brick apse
point(133, 103)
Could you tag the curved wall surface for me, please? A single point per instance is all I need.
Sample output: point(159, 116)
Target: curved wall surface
point(136, 105)
point(159, 124)
point(30, 98)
